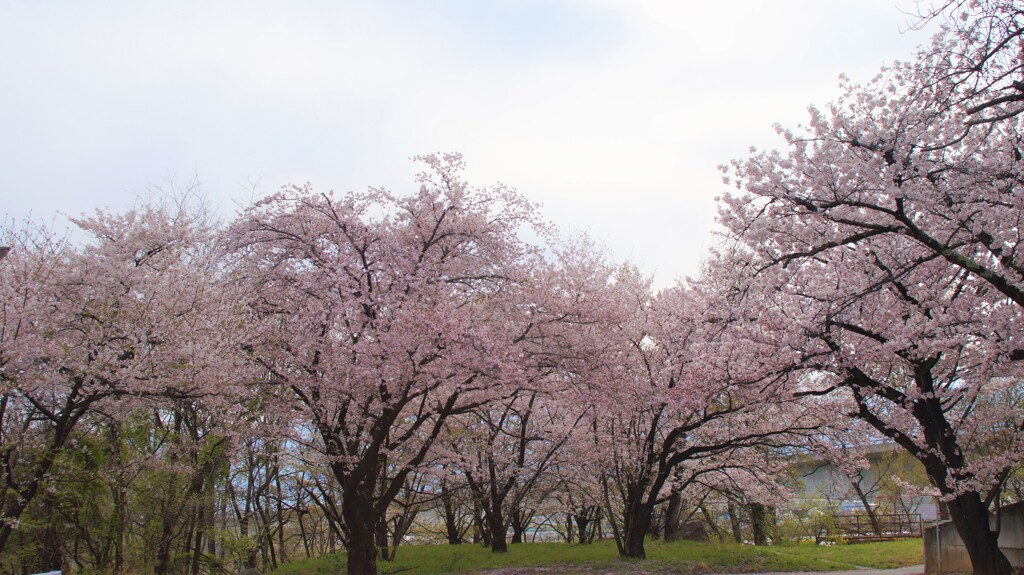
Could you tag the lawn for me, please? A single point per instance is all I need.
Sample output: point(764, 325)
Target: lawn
point(682, 557)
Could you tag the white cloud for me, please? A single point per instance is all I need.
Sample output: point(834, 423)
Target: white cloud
point(613, 113)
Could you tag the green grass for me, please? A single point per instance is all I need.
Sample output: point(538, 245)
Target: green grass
point(682, 557)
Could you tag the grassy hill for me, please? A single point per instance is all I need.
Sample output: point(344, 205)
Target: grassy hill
point(682, 557)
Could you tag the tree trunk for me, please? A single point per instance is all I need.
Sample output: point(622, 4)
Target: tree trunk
point(711, 523)
point(451, 525)
point(582, 520)
point(400, 526)
point(281, 552)
point(734, 522)
point(17, 501)
point(119, 496)
point(970, 517)
point(496, 527)
point(481, 534)
point(594, 529)
point(362, 525)
point(163, 550)
point(760, 520)
point(635, 525)
point(633, 540)
point(223, 524)
point(49, 542)
point(197, 548)
point(872, 516)
point(302, 533)
point(673, 517)
point(383, 550)
point(197, 552)
point(520, 522)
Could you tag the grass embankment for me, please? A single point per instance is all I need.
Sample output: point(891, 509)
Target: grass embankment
point(682, 557)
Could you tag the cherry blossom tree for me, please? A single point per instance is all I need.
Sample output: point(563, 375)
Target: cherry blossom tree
point(923, 358)
point(980, 55)
point(890, 235)
point(929, 150)
point(378, 318)
point(686, 388)
point(88, 330)
point(506, 449)
point(509, 448)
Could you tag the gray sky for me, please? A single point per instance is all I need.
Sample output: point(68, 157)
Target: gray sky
point(614, 114)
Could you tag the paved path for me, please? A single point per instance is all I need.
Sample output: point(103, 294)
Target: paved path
point(912, 570)
point(639, 570)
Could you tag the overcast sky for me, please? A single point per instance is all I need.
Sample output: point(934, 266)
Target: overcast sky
point(613, 114)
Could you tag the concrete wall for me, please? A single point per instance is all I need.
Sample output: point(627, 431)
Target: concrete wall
point(944, 551)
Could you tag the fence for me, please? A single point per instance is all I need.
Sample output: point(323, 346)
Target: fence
point(859, 527)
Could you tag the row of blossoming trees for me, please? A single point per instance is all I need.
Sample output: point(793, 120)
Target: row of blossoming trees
point(178, 395)
point(353, 358)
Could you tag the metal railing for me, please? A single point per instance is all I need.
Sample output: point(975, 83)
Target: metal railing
point(860, 527)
